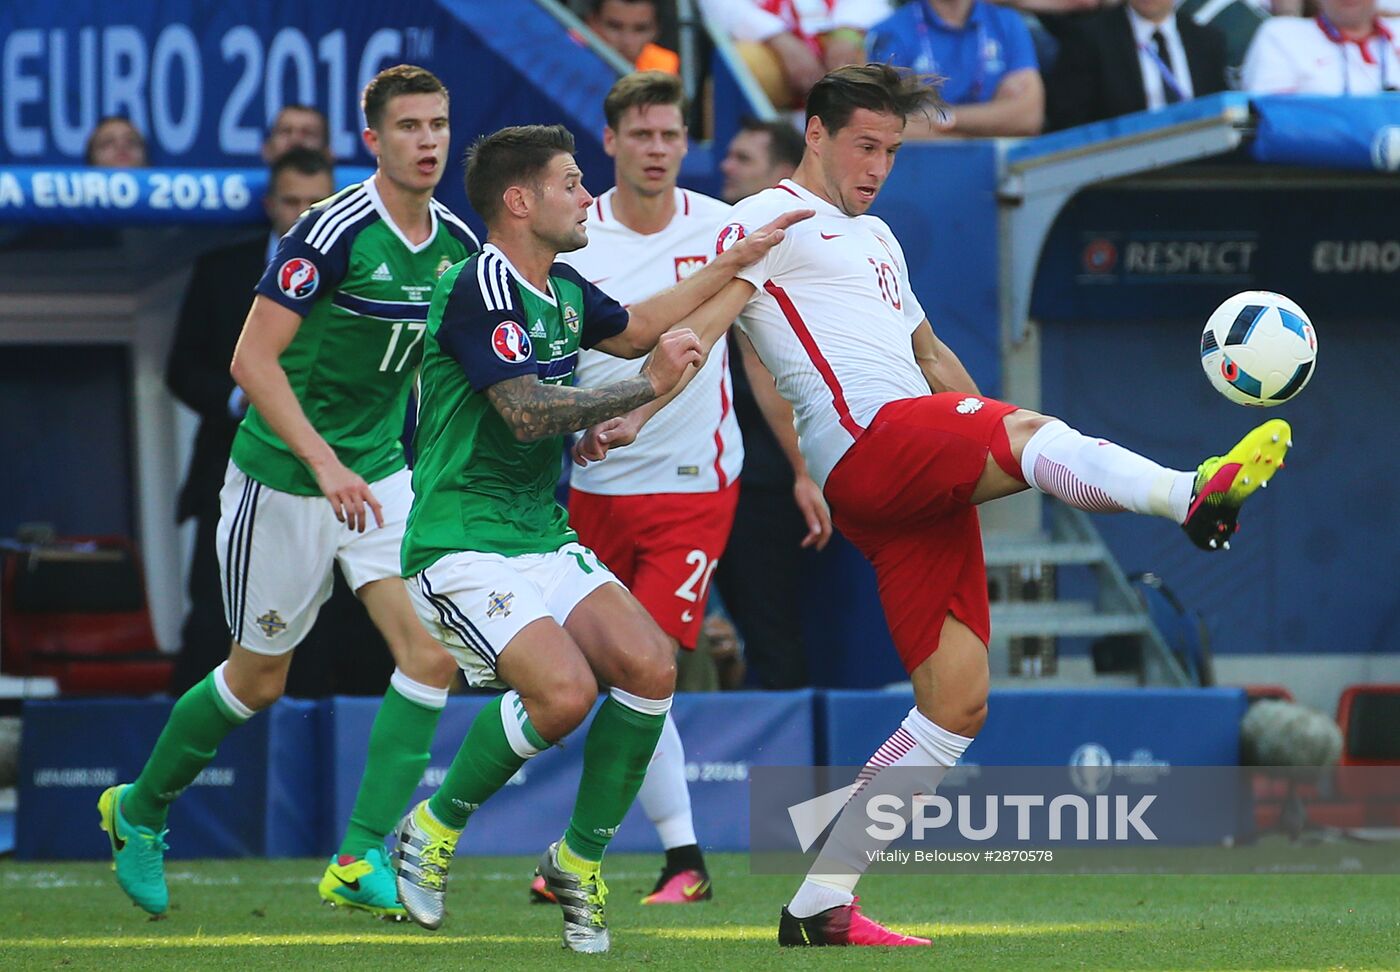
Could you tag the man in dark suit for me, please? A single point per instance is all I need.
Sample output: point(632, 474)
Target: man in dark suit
point(1136, 57)
point(197, 373)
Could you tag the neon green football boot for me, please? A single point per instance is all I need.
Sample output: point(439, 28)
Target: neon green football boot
point(138, 854)
point(365, 883)
point(1223, 483)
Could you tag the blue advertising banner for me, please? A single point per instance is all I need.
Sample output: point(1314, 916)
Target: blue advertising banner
point(724, 735)
point(1329, 132)
point(1137, 727)
point(259, 797)
point(203, 79)
point(130, 197)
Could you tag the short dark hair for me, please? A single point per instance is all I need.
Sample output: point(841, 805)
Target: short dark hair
point(306, 161)
point(641, 89)
point(401, 79)
point(785, 143)
point(876, 87)
point(90, 147)
point(511, 157)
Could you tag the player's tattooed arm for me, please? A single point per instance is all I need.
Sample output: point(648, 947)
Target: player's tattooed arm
point(534, 410)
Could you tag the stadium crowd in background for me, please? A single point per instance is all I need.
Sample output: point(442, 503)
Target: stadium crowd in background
point(1348, 49)
point(1139, 56)
point(983, 53)
point(631, 27)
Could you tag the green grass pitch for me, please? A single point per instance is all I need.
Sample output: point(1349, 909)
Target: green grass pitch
point(256, 914)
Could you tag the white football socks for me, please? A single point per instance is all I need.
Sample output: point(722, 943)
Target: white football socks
point(665, 796)
point(921, 752)
point(1098, 476)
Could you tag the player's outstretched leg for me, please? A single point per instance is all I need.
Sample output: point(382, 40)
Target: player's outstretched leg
point(138, 854)
point(1223, 483)
point(665, 796)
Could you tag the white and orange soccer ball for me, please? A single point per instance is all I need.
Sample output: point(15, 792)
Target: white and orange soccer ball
point(1259, 348)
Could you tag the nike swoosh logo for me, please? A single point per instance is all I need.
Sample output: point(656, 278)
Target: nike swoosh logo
point(352, 885)
point(831, 236)
point(691, 889)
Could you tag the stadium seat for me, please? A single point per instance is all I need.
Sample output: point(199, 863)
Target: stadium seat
point(1256, 692)
point(74, 609)
point(1369, 770)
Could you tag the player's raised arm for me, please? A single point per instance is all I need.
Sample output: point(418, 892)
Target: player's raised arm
point(652, 317)
point(534, 410)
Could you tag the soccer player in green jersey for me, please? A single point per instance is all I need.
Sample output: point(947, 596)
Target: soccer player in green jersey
point(491, 562)
point(327, 357)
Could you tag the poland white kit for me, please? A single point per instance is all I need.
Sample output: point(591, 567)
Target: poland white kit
point(692, 445)
point(831, 318)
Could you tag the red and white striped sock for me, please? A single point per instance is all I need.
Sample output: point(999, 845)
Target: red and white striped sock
point(1101, 477)
point(920, 751)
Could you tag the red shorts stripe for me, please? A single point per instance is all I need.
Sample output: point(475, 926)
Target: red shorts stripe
point(809, 344)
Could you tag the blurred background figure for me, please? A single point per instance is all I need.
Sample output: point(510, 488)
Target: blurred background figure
point(297, 126)
point(1140, 56)
point(790, 44)
point(760, 579)
point(984, 54)
point(1346, 50)
point(760, 155)
point(115, 143)
point(631, 27)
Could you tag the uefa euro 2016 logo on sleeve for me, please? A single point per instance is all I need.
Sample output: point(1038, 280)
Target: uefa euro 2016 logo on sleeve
point(298, 278)
point(510, 342)
point(728, 236)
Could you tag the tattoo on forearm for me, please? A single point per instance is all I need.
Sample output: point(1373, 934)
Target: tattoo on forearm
point(536, 411)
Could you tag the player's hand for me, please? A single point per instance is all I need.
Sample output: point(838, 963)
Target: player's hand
point(594, 444)
point(751, 248)
point(817, 515)
point(677, 350)
point(348, 495)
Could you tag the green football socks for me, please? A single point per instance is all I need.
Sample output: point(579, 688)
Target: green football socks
point(398, 755)
point(199, 722)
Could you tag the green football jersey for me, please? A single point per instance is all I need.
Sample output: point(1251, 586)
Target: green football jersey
point(362, 291)
point(476, 487)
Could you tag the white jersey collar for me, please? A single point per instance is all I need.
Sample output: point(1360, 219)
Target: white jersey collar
point(519, 277)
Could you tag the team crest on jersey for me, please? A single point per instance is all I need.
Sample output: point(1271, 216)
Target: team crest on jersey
point(499, 604)
point(728, 236)
point(444, 265)
point(272, 624)
point(510, 342)
point(968, 406)
point(571, 318)
point(298, 278)
point(685, 266)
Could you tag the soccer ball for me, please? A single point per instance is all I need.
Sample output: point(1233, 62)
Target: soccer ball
point(1258, 348)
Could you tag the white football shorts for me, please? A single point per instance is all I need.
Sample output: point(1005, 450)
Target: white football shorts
point(475, 603)
point(277, 552)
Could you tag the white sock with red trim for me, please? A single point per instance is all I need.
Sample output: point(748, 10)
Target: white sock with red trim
point(918, 744)
point(665, 795)
point(1098, 476)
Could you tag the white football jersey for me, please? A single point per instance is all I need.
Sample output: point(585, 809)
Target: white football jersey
point(831, 318)
point(692, 445)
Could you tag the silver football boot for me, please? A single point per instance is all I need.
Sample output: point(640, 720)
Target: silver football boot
point(585, 927)
point(421, 856)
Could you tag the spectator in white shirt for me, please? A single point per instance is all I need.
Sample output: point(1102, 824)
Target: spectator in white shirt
point(1346, 50)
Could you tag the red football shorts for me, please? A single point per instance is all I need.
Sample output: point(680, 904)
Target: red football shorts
point(663, 546)
point(902, 496)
